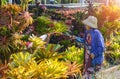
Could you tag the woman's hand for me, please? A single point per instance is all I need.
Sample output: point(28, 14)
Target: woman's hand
point(92, 55)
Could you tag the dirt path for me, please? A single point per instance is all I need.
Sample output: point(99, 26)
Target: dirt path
point(111, 73)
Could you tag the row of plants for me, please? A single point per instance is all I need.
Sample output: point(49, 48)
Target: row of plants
point(69, 17)
point(44, 62)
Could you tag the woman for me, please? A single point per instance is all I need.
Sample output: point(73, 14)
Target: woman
point(94, 47)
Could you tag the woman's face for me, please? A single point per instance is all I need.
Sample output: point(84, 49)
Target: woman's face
point(87, 27)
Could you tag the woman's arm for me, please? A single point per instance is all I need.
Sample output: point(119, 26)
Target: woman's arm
point(78, 39)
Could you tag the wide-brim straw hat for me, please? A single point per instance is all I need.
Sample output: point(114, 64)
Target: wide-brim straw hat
point(91, 21)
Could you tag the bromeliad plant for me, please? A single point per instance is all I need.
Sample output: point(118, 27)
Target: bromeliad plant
point(52, 69)
point(9, 15)
point(74, 69)
point(59, 27)
point(74, 54)
point(12, 22)
point(49, 52)
point(114, 43)
point(14, 19)
point(37, 42)
point(20, 59)
point(22, 66)
point(46, 25)
point(113, 55)
point(74, 58)
point(42, 26)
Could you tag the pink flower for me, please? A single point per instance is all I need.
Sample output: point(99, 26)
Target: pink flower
point(29, 44)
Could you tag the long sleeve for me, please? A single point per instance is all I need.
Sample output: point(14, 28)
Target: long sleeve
point(98, 44)
point(81, 40)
